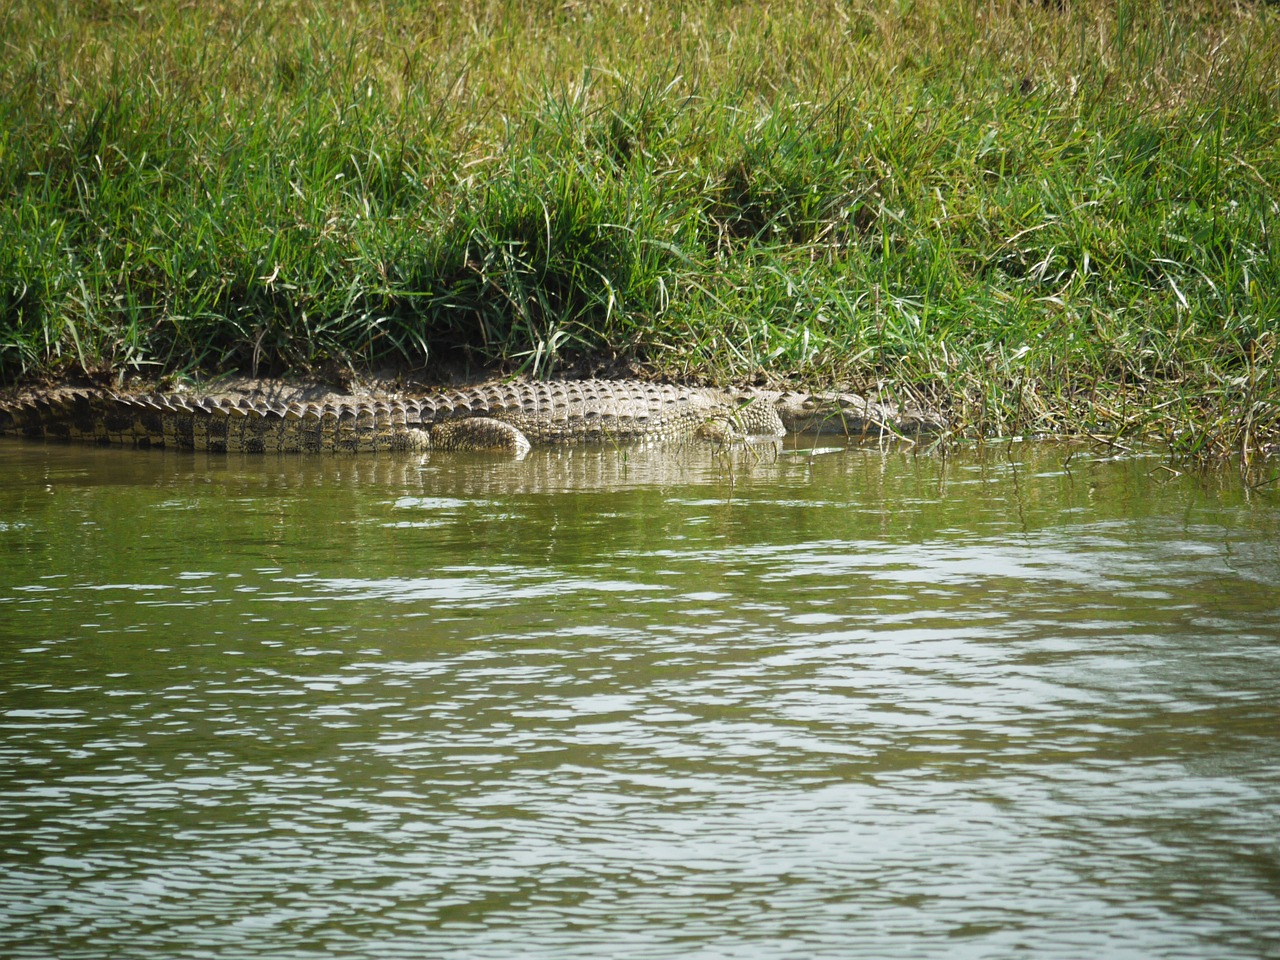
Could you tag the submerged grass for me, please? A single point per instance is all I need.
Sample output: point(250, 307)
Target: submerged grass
point(1045, 218)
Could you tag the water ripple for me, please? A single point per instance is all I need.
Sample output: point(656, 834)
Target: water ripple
point(855, 707)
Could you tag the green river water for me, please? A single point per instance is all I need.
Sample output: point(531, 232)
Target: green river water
point(636, 703)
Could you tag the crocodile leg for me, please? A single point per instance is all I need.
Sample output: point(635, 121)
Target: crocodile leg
point(751, 419)
point(479, 433)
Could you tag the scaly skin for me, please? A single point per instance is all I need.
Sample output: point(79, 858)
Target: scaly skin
point(508, 417)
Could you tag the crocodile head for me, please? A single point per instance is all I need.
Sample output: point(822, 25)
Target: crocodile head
point(839, 413)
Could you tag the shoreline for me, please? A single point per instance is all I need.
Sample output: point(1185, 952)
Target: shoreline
point(914, 418)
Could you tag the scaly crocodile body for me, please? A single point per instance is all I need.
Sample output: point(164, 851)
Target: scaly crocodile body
point(498, 416)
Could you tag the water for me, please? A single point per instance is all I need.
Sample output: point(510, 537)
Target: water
point(636, 704)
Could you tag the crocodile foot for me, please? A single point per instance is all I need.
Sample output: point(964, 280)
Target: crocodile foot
point(479, 433)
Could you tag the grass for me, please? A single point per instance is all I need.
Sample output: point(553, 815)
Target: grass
point(1043, 219)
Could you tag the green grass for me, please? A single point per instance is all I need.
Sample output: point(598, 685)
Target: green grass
point(1044, 220)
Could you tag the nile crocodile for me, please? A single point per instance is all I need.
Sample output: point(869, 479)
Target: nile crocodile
point(495, 416)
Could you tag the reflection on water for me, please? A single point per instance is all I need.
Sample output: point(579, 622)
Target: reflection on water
point(635, 703)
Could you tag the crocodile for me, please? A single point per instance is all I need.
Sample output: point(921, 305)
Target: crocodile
point(502, 416)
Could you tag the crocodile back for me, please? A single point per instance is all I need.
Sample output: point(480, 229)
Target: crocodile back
point(547, 412)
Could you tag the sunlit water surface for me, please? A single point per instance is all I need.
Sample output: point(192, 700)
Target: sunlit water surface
point(636, 703)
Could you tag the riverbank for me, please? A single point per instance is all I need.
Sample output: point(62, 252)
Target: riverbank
point(1037, 220)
